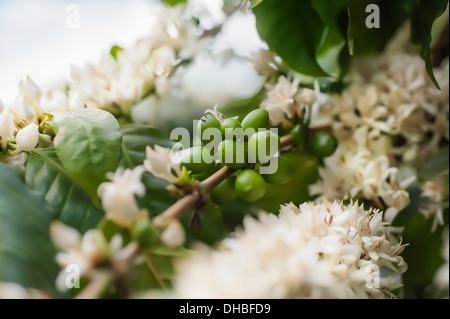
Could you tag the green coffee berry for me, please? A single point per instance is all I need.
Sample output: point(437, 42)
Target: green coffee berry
point(298, 134)
point(207, 121)
point(324, 144)
point(145, 234)
point(257, 119)
point(197, 159)
point(284, 172)
point(233, 153)
point(262, 146)
point(250, 186)
point(228, 126)
point(224, 192)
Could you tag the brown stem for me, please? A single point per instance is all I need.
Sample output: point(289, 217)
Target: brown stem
point(214, 180)
point(99, 283)
point(286, 142)
point(191, 200)
point(102, 279)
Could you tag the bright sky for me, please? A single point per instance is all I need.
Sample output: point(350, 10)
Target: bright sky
point(35, 40)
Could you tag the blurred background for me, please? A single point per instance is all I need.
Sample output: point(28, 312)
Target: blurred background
point(39, 39)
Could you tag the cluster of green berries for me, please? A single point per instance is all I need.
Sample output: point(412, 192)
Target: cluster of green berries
point(247, 153)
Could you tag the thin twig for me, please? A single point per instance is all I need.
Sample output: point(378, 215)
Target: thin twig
point(191, 200)
point(99, 283)
point(286, 142)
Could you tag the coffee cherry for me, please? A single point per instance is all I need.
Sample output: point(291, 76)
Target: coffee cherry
point(194, 159)
point(265, 142)
point(284, 172)
point(207, 121)
point(250, 186)
point(298, 134)
point(145, 234)
point(324, 144)
point(228, 126)
point(224, 192)
point(232, 153)
point(257, 119)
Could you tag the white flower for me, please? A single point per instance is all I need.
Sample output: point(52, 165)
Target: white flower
point(6, 126)
point(162, 162)
point(10, 290)
point(173, 235)
point(264, 63)
point(280, 101)
point(441, 278)
point(162, 84)
point(63, 236)
point(58, 101)
point(118, 196)
point(23, 111)
point(86, 252)
point(433, 204)
point(30, 91)
point(313, 251)
point(27, 138)
point(209, 13)
point(162, 61)
point(354, 172)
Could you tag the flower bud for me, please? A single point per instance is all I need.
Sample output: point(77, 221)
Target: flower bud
point(64, 237)
point(173, 235)
point(6, 126)
point(27, 138)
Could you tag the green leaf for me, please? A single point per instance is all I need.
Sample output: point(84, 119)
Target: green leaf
point(242, 107)
point(363, 40)
point(26, 253)
point(294, 30)
point(438, 166)
point(334, 14)
point(173, 2)
point(424, 13)
point(44, 173)
point(255, 3)
point(135, 139)
point(88, 144)
point(115, 50)
point(157, 198)
point(212, 228)
point(423, 255)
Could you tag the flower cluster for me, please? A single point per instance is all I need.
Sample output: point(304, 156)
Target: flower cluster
point(19, 129)
point(353, 171)
point(86, 252)
point(118, 195)
point(395, 96)
point(286, 101)
point(121, 79)
point(115, 83)
point(390, 119)
point(326, 250)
